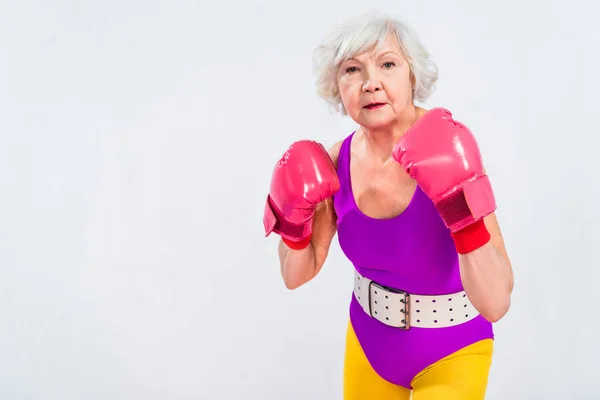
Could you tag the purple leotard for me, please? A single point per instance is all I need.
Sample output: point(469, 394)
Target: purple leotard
point(413, 252)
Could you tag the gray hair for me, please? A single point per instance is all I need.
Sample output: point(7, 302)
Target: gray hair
point(360, 34)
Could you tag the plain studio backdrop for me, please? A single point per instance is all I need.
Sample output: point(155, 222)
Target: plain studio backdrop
point(137, 142)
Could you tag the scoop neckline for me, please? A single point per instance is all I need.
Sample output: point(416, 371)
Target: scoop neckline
point(353, 199)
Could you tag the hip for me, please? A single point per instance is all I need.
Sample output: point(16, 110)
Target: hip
point(398, 355)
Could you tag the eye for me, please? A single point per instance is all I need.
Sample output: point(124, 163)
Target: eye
point(389, 64)
point(349, 70)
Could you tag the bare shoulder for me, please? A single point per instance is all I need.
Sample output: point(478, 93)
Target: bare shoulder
point(334, 151)
point(326, 207)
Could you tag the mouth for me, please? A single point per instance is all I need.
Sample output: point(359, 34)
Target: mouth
point(372, 106)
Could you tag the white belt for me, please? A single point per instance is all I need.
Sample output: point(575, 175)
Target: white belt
point(400, 309)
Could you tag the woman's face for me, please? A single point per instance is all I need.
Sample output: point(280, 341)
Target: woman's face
point(376, 86)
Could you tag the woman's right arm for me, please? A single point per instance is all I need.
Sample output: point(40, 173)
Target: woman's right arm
point(300, 266)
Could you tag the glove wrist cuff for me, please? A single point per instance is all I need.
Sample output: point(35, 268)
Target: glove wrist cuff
point(275, 221)
point(466, 203)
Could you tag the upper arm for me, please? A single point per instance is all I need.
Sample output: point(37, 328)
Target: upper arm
point(325, 221)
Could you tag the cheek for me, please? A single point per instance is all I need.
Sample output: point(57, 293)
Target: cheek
point(400, 88)
point(350, 92)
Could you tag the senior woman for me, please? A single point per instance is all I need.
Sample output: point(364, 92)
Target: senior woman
point(413, 207)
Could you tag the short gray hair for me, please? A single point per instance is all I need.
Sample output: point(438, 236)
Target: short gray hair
point(360, 34)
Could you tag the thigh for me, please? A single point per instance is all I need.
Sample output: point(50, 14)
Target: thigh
point(462, 375)
point(361, 382)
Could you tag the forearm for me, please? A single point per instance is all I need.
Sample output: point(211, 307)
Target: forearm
point(488, 281)
point(297, 266)
point(485, 271)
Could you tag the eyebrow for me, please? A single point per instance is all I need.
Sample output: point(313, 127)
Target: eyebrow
point(378, 56)
point(386, 53)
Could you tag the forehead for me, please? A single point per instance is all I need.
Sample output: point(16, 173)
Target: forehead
point(386, 44)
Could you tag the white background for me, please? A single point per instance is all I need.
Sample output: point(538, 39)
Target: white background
point(137, 141)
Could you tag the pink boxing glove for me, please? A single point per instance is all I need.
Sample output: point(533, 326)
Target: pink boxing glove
point(442, 155)
point(303, 177)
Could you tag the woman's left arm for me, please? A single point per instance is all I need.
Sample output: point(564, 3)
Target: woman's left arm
point(486, 271)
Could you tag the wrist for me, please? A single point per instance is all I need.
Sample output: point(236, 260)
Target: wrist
point(471, 237)
point(297, 245)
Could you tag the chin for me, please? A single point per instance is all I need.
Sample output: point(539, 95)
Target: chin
point(376, 123)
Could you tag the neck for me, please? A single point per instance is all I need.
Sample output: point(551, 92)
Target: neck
point(381, 141)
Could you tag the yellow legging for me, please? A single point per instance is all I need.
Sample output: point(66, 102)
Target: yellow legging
point(462, 375)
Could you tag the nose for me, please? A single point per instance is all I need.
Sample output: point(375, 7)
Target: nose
point(371, 85)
